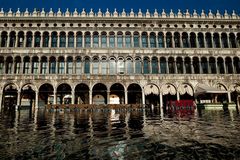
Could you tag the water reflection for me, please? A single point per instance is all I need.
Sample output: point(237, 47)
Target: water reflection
point(119, 134)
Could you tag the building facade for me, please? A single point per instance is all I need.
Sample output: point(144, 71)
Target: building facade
point(102, 57)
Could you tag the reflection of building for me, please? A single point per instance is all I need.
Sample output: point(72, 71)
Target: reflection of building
point(139, 57)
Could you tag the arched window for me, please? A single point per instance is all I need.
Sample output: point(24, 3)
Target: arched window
point(228, 64)
point(160, 40)
point(152, 40)
point(104, 39)
point(35, 64)
point(62, 39)
point(212, 65)
point(79, 39)
point(1, 65)
point(146, 65)
point(112, 66)
point(87, 39)
point(236, 63)
point(224, 40)
point(95, 65)
point(238, 40)
point(37, 39)
point(17, 65)
point(200, 40)
point(171, 65)
point(26, 67)
point(144, 40)
point(196, 66)
point(154, 65)
point(45, 39)
point(208, 37)
point(4, 38)
point(179, 64)
point(204, 65)
point(9, 65)
point(187, 63)
point(78, 66)
point(69, 65)
point(220, 65)
point(61, 65)
point(136, 39)
point(20, 39)
point(12, 39)
point(169, 39)
point(232, 40)
point(54, 39)
point(111, 40)
point(185, 40)
point(163, 65)
point(104, 66)
point(70, 39)
point(120, 66)
point(193, 40)
point(44, 66)
point(216, 40)
point(52, 69)
point(29, 39)
point(177, 40)
point(128, 40)
point(87, 65)
point(95, 40)
point(129, 65)
point(119, 39)
point(138, 66)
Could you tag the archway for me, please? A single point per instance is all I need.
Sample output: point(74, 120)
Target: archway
point(134, 94)
point(169, 94)
point(46, 94)
point(117, 94)
point(27, 96)
point(151, 92)
point(81, 94)
point(9, 97)
point(64, 95)
point(186, 92)
point(99, 94)
point(235, 94)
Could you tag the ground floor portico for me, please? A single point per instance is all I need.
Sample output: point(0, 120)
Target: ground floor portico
point(146, 90)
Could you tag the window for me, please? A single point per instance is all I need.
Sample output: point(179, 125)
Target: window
point(62, 39)
point(26, 68)
point(104, 40)
point(120, 65)
point(87, 40)
point(136, 40)
point(95, 40)
point(37, 39)
point(120, 40)
point(45, 39)
point(163, 65)
point(138, 66)
point(69, 65)
point(104, 67)
point(154, 65)
point(129, 66)
point(71, 40)
point(78, 66)
point(61, 66)
point(144, 40)
point(87, 66)
point(43, 67)
point(79, 40)
point(128, 40)
point(152, 40)
point(160, 40)
point(35, 67)
point(54, 39)
point(112, 67)
point(112, 40)
point(29, 39)
point(95, 66)
point(52, 67)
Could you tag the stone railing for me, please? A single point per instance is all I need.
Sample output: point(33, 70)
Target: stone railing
point(122, 14)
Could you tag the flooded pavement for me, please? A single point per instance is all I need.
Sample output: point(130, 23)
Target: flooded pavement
point(119, 134)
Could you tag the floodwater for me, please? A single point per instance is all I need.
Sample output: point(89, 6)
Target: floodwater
point(119, 134)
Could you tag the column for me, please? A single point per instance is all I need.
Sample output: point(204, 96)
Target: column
point(132, 41)
point(172, 40)
point(178, 96)
point(74, 66)
point(24, 39)
point(161, 104)
point(148, 40)
point(213, 44)
point(108, 97)
point(143, 97)
point(115, 39)
point(50, 40)
point(65, 65)
point(165, 40)
point(204, 40)
point(48, 65)
point(107, 36)
point(41, 39)
point(1, 99)
point(229, 97)
point(140, 39)
point(73, 97)
point(54, 96)
point(99, 40)
point(91, 41)
point(180, 39)
point(33, 40)
point(184, 66)
point(124, 40)
point(156, 38)
point(83, 39)
point(0, 46)
point(16, 41)
point(58, 41)
point(36, 99)
point(75, 39)
point(192, 69)
point(66, 46)
point(167, 67)
point(18, 100)
point(217, 70)
point(8, 39)
point(90, 96)
point(39, 66)
point(200, 66)
point(175, 66)
point(224, 65)
point(209, 71)
point(126, 97)
point(220, 41)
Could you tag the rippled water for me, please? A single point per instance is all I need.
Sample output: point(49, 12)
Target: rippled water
point(119, 134)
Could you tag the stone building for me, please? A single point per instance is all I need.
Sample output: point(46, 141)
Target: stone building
point(118, 57)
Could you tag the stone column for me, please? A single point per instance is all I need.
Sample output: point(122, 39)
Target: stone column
point(167, 67)
point(91, 39)
point(58, 41)
point(184, 66)
point(99, 41)
point(220, 41)
point(16, 41)
point(208, 68)
point(41, 39)
point(165, 40)
point(50, 40)
point(175, 66)
point(36, 99)
point(140, 39)
point(83, 39)
point(204, 40)
point(90, 96)
point(126, 97)
point(217, 70)
point(132, 40)
point(148, 40)
point(0, 43)
point(24, 39)
point(229, 97)
point(108, 97)
point(75, 39)
point(65, 65)
point(1, 98)
point(55, 96)
point(66, 46)
point(161, 104)
point(172, 40)
point(178, 96)
point(18, 100)
point(143, 97)
point(200, 66)
point(124, 40)
point(8, 39)
point(73, 97)
point(156, 33)
point(33, 40)
point(180, 39)
point(224, 65)
point(192, 69)
point(212, 41)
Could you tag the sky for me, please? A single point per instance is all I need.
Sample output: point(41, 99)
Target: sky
point(214, 5)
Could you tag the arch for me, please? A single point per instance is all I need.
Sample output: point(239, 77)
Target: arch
point(54, 37)
point(171, 65)
point(117, 95)
point(9, 65)
point(136, 39)
point(79, 39)
point(204, 64)
point(220, 65)
point(138, 65)
point(186, 91)
point(95, 39)
point(129, 65)
point(37, 39)
point(153, 43)
point(64, 94)
point(9, 97)
point(161, 40)
point(193, 40)
point(4, 39)
point(61, 65)
point(45, 39)
point(187, 65)
point(17, 66)
point(128, 41)
point(185, 40)
point(104, 39)
point(46, 96)
point(177, 39)
point(111, 39)
point(2, 65)
point(232, 40)
point(236, 63)
point(71, 39)
point(169, 40)
point(169, 93)
point(26, 65)
point(29, 39)
point(62, 39)
point(154, 65)
point(119, 39)
point(208, 38)
point(20, 39)
point(163, 65)
point(82, 94)
point(222, 97)
point(28, 95)
point(179, 65)
point(201, 40)
point(196, 65)
point(224, 40)
point(151, 92)
point(228, 64)
point(12, 39)
point(212, 65)
point(134, 94)
point(99, 94)
point(144, 39)
point(35, 65)
point(216, 40)
point(146, 65)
